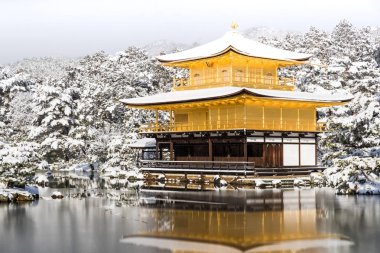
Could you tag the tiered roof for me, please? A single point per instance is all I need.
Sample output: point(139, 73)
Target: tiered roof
point(236, 42)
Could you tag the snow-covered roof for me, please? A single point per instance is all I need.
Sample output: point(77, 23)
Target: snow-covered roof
point(233, 40)
point(144, 143)
point(229, 91)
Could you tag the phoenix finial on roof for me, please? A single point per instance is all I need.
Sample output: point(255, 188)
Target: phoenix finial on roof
point(234, 26)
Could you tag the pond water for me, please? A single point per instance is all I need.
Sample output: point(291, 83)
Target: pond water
point(293, 220)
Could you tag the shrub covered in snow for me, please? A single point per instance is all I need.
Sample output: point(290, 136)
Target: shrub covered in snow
point(354, 175)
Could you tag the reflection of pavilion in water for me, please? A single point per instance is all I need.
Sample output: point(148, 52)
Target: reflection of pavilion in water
point(286, 221)
point(247, 200)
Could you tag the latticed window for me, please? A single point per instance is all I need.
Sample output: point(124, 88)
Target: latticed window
point(197, 79)
point(269, 79)
point(256, 75)
point(239, 75)
point(225, 75)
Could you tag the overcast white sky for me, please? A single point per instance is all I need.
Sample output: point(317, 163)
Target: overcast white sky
point(72, 28)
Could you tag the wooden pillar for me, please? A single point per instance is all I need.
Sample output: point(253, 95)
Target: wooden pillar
point(245, 149)
point(281, 119)
point(210, 157)
point(171, 150)
point(263, 118)
point(157, 149)
point(264, 154)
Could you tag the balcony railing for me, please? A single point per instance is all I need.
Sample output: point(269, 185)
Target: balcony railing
point(256, 81)
point(275, 125)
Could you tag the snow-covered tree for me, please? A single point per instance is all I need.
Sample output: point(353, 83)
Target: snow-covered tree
point(55, 118)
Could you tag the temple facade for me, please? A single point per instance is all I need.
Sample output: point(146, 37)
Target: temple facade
point(234, 111)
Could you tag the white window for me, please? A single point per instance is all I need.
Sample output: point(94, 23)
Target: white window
point(307, 154)
point(291, 155)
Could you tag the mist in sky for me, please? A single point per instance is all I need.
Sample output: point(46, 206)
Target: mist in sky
point(73, 28)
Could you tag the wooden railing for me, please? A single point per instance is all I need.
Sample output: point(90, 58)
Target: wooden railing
point(307, 126)
point(201, 166)
point(257, 82)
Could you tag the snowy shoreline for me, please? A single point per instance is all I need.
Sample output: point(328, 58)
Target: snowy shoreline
point(351, 179)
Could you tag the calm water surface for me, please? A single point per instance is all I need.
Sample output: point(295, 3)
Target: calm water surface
point(215, 221)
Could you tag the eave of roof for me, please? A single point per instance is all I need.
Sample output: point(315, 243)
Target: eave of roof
point(236, 42)
point(230, 91)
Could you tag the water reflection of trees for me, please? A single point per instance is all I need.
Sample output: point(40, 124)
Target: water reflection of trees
point(357, 216)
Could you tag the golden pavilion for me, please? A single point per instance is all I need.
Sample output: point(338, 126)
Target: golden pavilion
point(234, 113)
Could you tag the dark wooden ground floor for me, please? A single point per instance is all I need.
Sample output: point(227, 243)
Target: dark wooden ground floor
point(264, 150)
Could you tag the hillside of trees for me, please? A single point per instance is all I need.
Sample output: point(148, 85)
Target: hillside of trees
point(58, 113)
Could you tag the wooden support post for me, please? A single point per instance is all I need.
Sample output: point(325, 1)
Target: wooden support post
point(210, 157)
point(157, 150)
point(245, 150)
point(171, 150)
point(264, 155)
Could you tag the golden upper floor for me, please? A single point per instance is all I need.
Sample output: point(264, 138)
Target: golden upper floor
point(232, 69)
point(233, 60)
